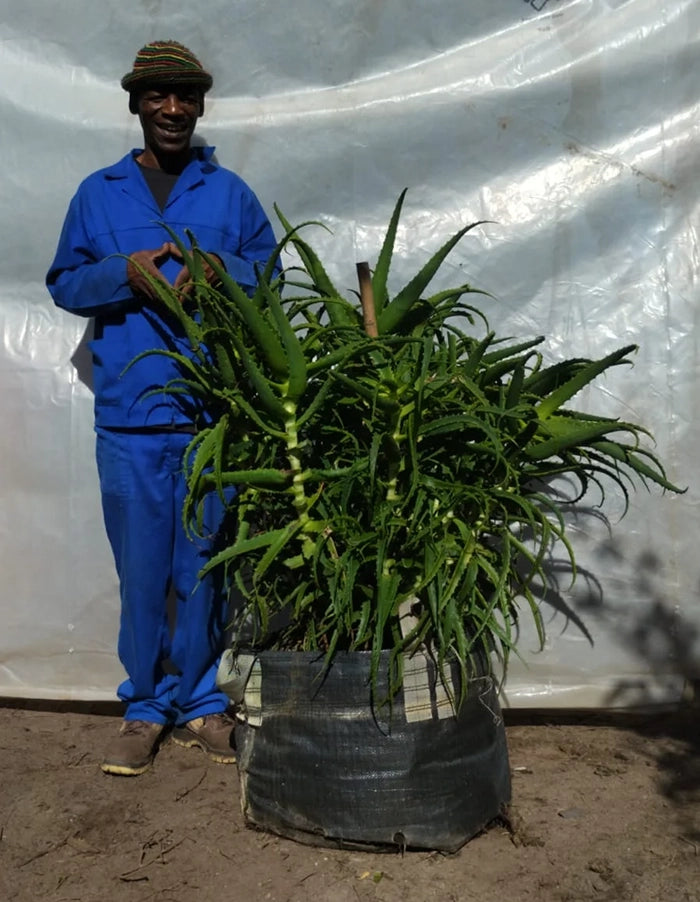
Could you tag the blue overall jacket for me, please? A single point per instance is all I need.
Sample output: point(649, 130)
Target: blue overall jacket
point(112, 215)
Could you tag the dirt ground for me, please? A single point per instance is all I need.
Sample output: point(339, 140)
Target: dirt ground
point(604, 808)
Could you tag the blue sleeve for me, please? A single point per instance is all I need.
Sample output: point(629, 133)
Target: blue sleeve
point(79, 280)
point(258, 243)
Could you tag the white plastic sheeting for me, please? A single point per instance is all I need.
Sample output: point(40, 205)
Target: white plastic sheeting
point(570, 124)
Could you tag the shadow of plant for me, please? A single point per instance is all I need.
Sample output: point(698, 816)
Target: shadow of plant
point(678, 762)
point(652, 626)
point(666, 641)
point(667, 645)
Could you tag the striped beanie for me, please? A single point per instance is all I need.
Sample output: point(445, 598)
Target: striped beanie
point(166, 62)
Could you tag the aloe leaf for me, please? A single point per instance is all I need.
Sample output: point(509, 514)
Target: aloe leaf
point(273, 261)
point(536, 614)
point(185, 251)
point(267, 341)
point(262, 478)
point(314, 268)
point(582, 416)
point(586, 374)
point(217, 340)
point(493, 373)
point(256, 543)
point(296, 362)
point(282, 537)
point(172, 300)
point(336, 473)
point(194, 260)
point(564, 433)
point(633, 459)
point(268, 398)
point(449, 296)
point(186, 363)
point(207, 454)
point(381, 271)
point(342, 355)
point(392, 315)
point(473, 361)
point(270, 429)
point(460, 566)
point(542, 381)
point(510, 351)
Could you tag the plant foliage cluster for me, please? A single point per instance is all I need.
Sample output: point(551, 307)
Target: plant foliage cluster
point(383, 472)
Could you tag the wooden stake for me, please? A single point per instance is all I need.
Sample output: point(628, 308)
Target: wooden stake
point(369, 315)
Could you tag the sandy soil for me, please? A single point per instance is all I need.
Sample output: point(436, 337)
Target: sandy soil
point(604, 809)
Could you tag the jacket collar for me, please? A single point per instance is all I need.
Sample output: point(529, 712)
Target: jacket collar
point(125, 167)
point(127, 171)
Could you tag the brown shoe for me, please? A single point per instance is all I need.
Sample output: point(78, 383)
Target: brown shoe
point(134, 748)
point(213, 733)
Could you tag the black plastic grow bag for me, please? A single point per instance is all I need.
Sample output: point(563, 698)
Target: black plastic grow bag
point(320, 764)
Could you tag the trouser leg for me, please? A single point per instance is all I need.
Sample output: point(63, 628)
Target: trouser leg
point(138, 511)
point(201, 615)
point(143, 491)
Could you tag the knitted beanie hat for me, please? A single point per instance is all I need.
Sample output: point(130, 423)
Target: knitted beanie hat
point(166, 62)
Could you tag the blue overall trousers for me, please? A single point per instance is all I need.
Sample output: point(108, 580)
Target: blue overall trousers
point(143, 490)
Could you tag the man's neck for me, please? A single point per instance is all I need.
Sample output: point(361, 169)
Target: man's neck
point(171, 163)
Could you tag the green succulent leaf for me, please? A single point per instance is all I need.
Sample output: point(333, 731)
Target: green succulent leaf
point(391, 316)
point(381, 272)
point(583, 377)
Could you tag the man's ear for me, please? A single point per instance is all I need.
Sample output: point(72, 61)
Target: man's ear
point(133, 102)
point(201, 105)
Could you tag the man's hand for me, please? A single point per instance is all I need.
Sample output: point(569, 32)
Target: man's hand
point(183, 280)
point(142, 262)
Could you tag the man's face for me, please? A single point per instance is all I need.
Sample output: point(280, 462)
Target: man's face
point(168, 115)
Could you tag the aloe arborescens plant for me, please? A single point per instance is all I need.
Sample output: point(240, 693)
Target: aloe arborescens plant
point(385, 461)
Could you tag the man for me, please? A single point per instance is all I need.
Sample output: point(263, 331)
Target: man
point(113, 234)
